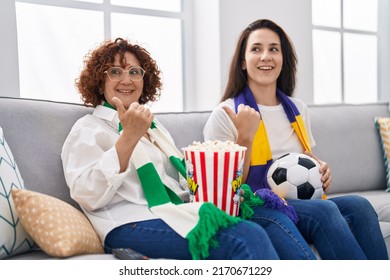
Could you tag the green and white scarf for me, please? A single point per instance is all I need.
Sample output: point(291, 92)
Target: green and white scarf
point(198, 222)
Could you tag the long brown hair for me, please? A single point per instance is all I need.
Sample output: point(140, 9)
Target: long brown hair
point(237, 80)
point(91, 81)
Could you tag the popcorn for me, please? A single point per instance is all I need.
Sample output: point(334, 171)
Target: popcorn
point(214, 173)
point(215, 145)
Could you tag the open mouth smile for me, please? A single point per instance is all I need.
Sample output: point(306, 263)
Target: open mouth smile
point(265, 68)
point(125, 91)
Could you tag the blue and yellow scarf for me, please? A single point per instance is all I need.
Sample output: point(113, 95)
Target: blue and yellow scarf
point(261, 158)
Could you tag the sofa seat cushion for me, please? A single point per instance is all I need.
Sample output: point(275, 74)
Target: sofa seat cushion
point(41, 255)
point(385, 228)
point(379, 199)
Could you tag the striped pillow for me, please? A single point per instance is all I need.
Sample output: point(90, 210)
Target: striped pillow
point(383, 126)
point(13, 237)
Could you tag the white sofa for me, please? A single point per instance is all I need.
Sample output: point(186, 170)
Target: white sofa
point(345, 134)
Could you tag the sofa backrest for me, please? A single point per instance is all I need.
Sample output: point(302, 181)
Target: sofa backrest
point(185, 128)
point(348, 140)
point(345, 134)
point(35, 131)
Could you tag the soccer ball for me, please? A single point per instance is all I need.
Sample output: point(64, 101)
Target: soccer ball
point(295, 176)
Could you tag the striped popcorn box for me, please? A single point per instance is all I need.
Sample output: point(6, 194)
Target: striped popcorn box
point(214, 173)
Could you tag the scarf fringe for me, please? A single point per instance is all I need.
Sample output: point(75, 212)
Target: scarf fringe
point(202, 236)
point(266, 198)
point(273, 201)
point(250, 200)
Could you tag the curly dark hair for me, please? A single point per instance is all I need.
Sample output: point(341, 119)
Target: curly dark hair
point(91, 81)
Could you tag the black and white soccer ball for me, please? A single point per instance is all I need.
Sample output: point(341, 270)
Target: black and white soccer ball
point(295, 176)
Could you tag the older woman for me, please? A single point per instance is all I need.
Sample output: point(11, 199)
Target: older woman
point(123, 169)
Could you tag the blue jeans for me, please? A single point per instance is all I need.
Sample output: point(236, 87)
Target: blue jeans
point(344, 227)
point(284, 234)
point(155, 239)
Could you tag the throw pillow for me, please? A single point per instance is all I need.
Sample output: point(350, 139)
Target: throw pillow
point(383, 126)
point(58, 228)
point(13, 237)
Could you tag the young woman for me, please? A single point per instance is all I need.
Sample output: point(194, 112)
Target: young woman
point(117, 164)
point(260, 85)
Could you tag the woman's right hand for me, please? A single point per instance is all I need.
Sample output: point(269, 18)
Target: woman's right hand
point(246, 121)
point(135, 120)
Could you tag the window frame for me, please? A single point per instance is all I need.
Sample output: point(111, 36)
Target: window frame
point(9, 19)
point(381, 84)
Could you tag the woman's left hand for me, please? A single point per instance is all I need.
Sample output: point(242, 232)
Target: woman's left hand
point(326, 177)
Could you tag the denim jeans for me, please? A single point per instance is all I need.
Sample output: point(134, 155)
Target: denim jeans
point(284, 234)
point(155, 239)
point(344, 227)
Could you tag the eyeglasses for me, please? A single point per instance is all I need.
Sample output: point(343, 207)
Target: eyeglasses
point(116, 73)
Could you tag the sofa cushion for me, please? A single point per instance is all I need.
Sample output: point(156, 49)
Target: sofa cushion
point(38, 254)
point(58, 228)
point(36, 131)
point(347, 139)
point(184, 127)
point(383, 126)
point(13, 237)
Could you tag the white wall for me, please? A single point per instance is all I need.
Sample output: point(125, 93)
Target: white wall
point(222, 25)
point(207, 63)
point(216, 27)
point(9, 76)
point(383, 46)
point(293, 16)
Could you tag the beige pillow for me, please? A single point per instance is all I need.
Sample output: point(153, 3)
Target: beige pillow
point(58, 228)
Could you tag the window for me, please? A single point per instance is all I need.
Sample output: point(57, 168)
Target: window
point(345, 51)
point(53, 36)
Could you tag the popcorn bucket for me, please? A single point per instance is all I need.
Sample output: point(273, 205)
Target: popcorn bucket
point(215, 176)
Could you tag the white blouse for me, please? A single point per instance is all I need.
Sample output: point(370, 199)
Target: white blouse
point(281, 135)
point(91, 168)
